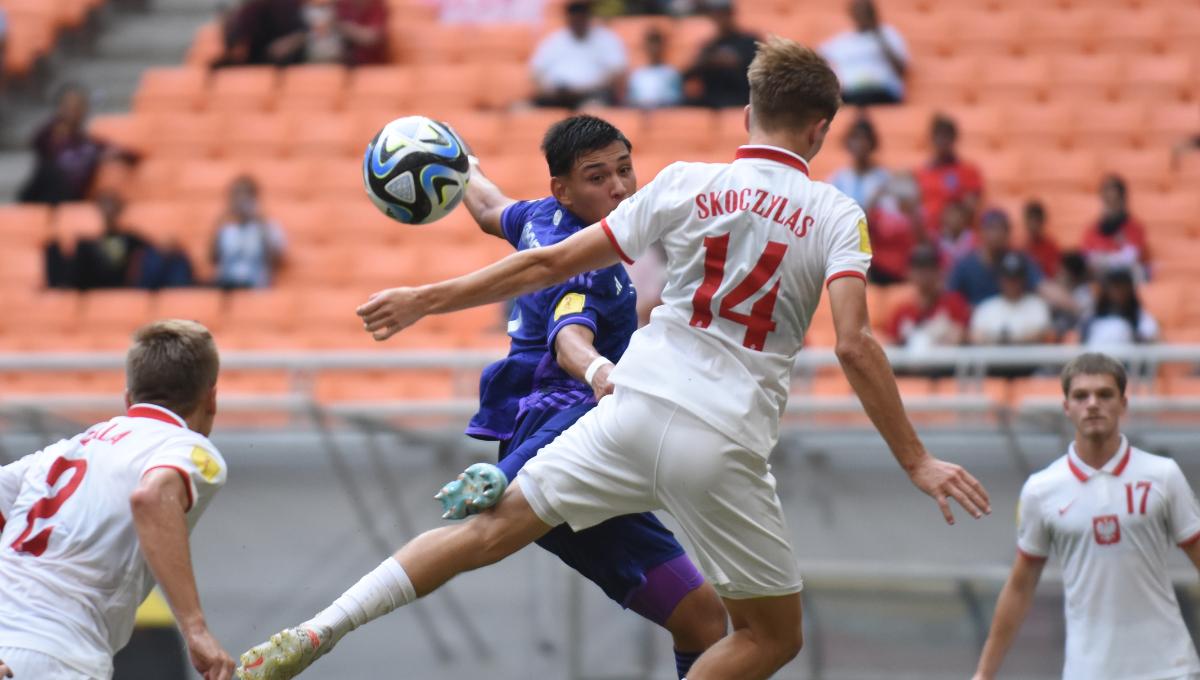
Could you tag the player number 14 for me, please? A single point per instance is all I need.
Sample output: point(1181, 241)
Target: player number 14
point(758, 322)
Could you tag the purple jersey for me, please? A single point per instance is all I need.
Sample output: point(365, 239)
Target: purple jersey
point(530, 377)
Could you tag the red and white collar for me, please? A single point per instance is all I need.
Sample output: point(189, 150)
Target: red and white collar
point(1115, 465)
point(156, 412)
point(773, 153)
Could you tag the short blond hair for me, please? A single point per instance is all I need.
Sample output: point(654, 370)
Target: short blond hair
point(791, 86)
point(173, 363)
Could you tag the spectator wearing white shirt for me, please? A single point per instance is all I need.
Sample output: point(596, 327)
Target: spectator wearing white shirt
point(578, 64)
point(657, 84)
point(247, 248)
point(1119, 318)
point(1016, 316)
point(863, 180)
point(870, 61)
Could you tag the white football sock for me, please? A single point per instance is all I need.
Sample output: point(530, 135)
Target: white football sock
point(383, 590)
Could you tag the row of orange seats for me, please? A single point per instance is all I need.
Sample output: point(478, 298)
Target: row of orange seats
point(33, 27)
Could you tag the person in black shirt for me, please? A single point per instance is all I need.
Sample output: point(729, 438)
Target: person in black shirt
point(721, 65)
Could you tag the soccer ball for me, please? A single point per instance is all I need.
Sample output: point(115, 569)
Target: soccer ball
point(415, 170)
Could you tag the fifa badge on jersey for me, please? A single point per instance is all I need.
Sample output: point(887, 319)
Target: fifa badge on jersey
point(571, 303)
point(1107, 529)
point(207, 465)
point(864, 237)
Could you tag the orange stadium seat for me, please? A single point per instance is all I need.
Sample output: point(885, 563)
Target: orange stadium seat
point(123, 130)
point(44, 314)
point(1176, 212)
point(243, 89)
point(1170, 122)
point(334, 264)
point(683, 130)
point(525, 128)
point(73, 221)
point(901, 127)
point(441, 89)
point(1004, 171)
point(186, 135)
point(483, 131)
point(319, 134)
point(338, 177)
point(21, 266)
point(207, 179)
point(284, 179)
point(29, 38)
point(162, 222)
point(1160, 78)
point(23, 224)
point(945, 81)
point(380, 88)
point(983, 126)
point(1039, 126)
point(312, 87)
point(509, 83)
point(425, 43)
point(254, 135)
point(180, 89)
point(1132, 29)
point(207, 45)
point(1143, 169)
point(1062, 30)
point(1014, 79)
point(115, 311)
point(513, 43)
point(277, 310)
point(1114, 125)
point(1085, 77)
point(984, 32)
point(687, 36)
point(632, 31)
point(929, 34)
point(1070, 214)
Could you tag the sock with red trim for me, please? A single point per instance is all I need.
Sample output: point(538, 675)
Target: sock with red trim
point(385, 589)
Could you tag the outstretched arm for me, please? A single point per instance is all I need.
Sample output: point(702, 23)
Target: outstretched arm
point(390, 311)
point(159, 506)
point(1011, 609)
point(485, 201)
point(867, 368)
point(576, 354)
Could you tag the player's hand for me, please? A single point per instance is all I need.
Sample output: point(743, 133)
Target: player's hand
point(5, 671)
point(601, 387)
point(390, 311)
point(208, 658)
point(944, 481)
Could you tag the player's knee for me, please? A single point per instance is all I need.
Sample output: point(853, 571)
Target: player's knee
point(784, 643)
point(705, 621)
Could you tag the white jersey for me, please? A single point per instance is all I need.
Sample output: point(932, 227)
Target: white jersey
point(70, 563)
point(749, 246)
point(1112, 529)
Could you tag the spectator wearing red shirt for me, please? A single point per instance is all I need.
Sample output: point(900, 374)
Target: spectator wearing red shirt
point(363, 25)
point(936, 317)
point(1118, 241)
point(947, 178)
point(894, 221)
point(1041, 246)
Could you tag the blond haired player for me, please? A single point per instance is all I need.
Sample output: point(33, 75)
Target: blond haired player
point(90, 523)
point(700, 391)
point(1111, 514)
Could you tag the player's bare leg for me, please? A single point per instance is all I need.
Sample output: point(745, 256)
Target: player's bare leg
point(766, 635)
point(697, 623)
point(420, 567)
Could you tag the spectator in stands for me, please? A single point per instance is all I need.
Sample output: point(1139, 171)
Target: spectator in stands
point(66, 156)
point(363, 26)
point(114, 259)
point(955, 237)
point(248, 249)
point(870, 61)
point(936, 317)
point(863, 180)
point(947, 178)
point(1117, 241)
point(1119, 318)
point(976, 276)
point(1041, 246)
point(579, 64)
point(263, 32)
point(1075, 278)
point(350, 32)
point(656, 84)
point(895, 224)
point(1016, 315)
point(720, 68)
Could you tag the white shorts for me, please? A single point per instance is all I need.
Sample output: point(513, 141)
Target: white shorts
point(27, 664)
point(637, 453)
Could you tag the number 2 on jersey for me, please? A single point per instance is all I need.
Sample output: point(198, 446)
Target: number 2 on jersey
point(758, 322)
point(47, 507)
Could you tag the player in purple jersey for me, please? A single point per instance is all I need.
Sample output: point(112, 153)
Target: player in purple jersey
point(564, 342)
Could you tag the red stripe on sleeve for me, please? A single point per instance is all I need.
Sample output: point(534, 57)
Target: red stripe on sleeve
point(1, 521)
point(187, 481)
point(840, 275)
point(616, 246)
point(1186, 544)
point(1031, 557)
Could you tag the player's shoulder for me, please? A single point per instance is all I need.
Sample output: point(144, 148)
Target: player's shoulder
point(1152, 464)
point(1043, 481)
